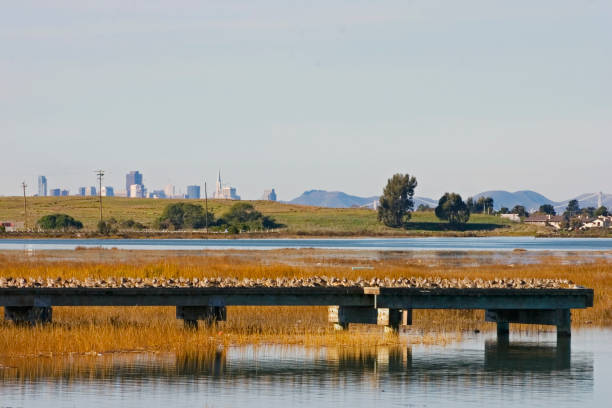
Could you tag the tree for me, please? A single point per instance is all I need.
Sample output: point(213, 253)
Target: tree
point(59, 221)
point(573, 208)
point(488, 205)
point(504, 210)
point(547, 209)
point(601, 211)
point(245, 217)
point(588, 211)
point(452, 208)
point(396, 202)
point(520, 210)
point(106, 227)
point(423, 207)
point(184, 215)
point(471, 204)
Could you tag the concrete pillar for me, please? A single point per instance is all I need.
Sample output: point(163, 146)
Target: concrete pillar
point(210, 315)
point(391, 319)
point(503, 331)
point(564, 323)
point(28, 314)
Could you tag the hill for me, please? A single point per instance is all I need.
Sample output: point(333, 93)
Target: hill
point(587, 200)
point(338, 199)
point(298, 220)
point(531, 200)
point(331, 199)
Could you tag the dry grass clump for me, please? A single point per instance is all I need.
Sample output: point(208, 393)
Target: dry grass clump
point(103, 330)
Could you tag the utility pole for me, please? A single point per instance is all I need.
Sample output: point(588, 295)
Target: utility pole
point(25, 206)
point(206, 204)
point(100, 174)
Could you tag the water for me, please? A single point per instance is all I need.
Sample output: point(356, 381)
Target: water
point(531, 370)
point(432, 243)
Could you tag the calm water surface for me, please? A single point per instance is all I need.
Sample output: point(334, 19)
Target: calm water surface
point(530, 370)
point(433, 243)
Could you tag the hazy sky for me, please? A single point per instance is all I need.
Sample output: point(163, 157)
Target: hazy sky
point(296, 95)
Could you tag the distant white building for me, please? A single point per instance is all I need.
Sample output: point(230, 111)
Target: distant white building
point(599, 222)
point(269, 195)
point(169, 191)
point(225, 192)
point(511, 217)
point(137, 191)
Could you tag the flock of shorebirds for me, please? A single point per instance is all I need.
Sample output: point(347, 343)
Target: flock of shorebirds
point(315, 281)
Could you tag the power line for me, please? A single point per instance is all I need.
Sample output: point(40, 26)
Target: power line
point(100, 174)
point(25, 206)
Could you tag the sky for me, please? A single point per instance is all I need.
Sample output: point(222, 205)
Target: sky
point(297, 95)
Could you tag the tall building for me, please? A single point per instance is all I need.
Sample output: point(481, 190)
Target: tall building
point(82, 191)
point(132, 178)
point(193, 192)
point(169, 191)
point(225, 192)
point(269, 195)
point(91, 191)
point(42, 186)
point(65, 193)
point(55, 192)
point(108, 191)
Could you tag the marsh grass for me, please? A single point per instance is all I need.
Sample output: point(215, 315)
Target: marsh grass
point(112, 329)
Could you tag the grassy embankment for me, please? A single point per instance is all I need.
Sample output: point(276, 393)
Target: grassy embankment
point(110, 329)
point(298, 220)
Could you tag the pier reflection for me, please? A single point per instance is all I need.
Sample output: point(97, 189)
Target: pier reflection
point(501, 358)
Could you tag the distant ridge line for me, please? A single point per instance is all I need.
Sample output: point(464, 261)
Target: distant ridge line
point(530, 199)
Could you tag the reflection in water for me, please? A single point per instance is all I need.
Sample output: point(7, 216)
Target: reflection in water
point(251, 361)
point(460, 375)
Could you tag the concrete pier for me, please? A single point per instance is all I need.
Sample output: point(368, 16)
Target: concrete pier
point(388, 307)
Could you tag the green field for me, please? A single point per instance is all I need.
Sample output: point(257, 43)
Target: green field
point(298, 220)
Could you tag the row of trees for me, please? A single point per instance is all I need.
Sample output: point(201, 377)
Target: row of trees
point(397, 202)
point(240, 217)
point(178, 216)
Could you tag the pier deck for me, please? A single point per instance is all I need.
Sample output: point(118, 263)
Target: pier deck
point(390, 307)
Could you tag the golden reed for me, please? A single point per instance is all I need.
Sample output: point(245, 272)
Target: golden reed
point(109, 329)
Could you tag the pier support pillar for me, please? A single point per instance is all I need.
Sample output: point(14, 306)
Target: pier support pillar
point(28, 314)
point(555, 317)
point(503, 330)
point(391, 319)
point(210, 315)
point(564, 323)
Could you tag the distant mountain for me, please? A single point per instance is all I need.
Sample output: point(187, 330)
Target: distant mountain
point(587, 200)
point(531, 200)
point(338, 199)
point(527, 198)
point(332, 199)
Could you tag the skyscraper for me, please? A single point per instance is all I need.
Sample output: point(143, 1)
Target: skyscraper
point(42, 186)
point(225, 192)
point(193, 192)
point(133, 177)
point(269, 195)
